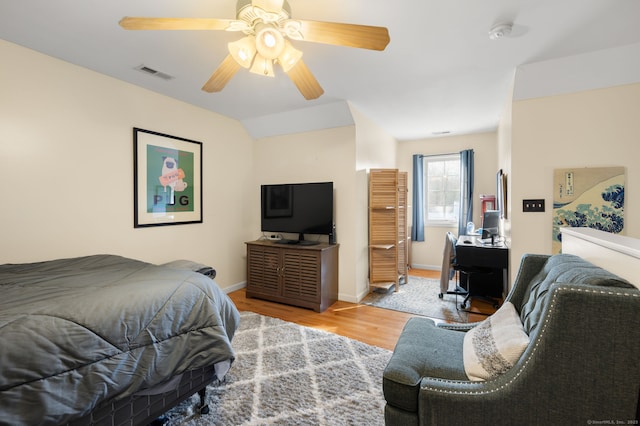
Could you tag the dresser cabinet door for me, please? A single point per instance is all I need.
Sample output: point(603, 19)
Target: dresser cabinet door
point(301, 275)
point(263, 274)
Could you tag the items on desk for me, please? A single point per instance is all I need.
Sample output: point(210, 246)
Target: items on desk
point(470, 228)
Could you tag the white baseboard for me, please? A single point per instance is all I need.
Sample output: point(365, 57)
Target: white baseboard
point(235, 287)
point(427, 267)
point(351, 299)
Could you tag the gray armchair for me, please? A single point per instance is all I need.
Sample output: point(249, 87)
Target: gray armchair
point(582, 363)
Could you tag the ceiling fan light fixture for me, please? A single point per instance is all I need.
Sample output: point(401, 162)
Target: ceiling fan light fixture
point(289, 57)
point(262, 66)
point(293, 29)
point(268, 27)
point(269, 41)
point(252, 11)
point(243, 51)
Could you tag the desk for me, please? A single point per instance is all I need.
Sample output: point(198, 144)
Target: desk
point(471, 253)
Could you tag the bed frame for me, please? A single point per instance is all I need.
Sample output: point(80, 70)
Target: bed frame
point(146, 409)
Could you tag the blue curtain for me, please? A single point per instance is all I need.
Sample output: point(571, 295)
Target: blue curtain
point(417, 230)
point(466, 190)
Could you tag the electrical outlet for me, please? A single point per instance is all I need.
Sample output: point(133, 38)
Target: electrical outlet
point(533, 205)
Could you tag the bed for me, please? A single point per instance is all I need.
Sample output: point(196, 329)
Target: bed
point(102, 337)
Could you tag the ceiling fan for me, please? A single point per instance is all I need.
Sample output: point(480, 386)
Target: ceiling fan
point(268, 26)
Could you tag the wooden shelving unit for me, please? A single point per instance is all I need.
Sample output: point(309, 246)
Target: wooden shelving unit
point(403, 229)
point(387, 228)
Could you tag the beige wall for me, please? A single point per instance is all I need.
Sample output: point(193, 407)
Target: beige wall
point(505, 132)
point(595, 128)
point(67, 151)
point(342, 155)
point(375, 149)
point(67, 135)
point(326, 155)
point(428, 254)
point(504, 157)
point(66, 144)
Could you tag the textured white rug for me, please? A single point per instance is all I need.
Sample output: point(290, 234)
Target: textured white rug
point(286, 374)
point(420, 296)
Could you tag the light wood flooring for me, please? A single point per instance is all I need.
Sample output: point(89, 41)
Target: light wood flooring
point(368, 324)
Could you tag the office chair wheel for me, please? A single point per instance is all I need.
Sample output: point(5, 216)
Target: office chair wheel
point(440, 295)
point(463, 305)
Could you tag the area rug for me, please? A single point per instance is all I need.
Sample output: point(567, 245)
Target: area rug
point(286, 374)
point(419, 296)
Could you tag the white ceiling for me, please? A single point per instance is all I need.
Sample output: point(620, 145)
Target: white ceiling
point(439, 73)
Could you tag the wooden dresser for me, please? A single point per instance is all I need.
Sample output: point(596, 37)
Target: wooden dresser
point(299, 275)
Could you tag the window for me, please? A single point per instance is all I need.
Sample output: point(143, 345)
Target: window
point(442, 190)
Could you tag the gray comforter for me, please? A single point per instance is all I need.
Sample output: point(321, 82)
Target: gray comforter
point(76, 332)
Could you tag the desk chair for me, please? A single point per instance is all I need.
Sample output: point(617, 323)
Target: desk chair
point(449, 268)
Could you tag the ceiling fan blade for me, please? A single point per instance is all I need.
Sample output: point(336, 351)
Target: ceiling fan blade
point(134, 23)
point(350, 35)
point(274, 6)
point(221, 76)
point(305, 81)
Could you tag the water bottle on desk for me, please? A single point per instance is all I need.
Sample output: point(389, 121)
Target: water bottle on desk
point(470, 228)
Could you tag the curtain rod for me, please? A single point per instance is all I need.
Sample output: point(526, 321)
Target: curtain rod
point(439, 155)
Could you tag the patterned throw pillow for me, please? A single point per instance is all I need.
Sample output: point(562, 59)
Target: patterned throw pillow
point(493, 346)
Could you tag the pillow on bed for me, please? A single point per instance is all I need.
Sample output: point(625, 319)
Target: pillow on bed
point(493, 346)
point(192, 266)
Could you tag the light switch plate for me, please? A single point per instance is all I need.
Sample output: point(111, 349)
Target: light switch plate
point(536, 205)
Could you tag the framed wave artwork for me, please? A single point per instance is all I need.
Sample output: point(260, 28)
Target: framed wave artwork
point(588, 197)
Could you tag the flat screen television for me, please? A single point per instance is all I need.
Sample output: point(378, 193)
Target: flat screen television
point(297, 208)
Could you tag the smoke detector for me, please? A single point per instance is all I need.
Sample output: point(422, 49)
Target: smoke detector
point(500, 31)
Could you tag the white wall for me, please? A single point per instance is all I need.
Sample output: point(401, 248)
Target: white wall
point(595, 128)
point(67, 151)
point(428, 254)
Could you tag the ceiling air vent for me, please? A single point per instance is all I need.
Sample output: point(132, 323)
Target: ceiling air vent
point(145, 69)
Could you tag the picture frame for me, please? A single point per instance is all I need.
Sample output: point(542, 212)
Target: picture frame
point(167, 179)
point(501, 196)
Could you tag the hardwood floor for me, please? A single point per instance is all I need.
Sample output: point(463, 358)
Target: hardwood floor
point(368, 324)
